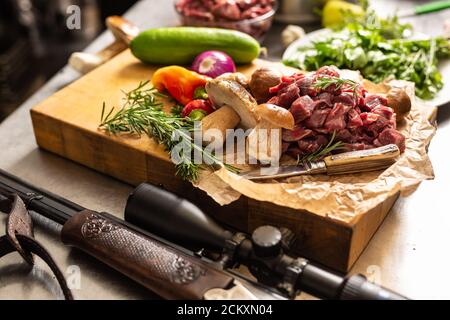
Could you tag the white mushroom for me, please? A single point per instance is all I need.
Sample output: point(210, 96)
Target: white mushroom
point(235, 76)
point(264, 142)
point(216, 124)
point(225, 92)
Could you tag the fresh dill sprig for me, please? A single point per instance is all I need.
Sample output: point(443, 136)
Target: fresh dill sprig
point(332, 145)
point(142, 112)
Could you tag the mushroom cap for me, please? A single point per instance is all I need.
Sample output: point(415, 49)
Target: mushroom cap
point(262, 80)
point(236, 76)
point(399, 100)
point(278, 116)
point(230, 93)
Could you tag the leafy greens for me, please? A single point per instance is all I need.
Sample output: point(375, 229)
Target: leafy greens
point(380, 49)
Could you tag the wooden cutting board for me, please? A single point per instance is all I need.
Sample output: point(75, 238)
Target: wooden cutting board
point(67, 124)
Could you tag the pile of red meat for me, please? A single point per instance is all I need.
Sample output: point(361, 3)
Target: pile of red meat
point(358, 119)
point(234, 10)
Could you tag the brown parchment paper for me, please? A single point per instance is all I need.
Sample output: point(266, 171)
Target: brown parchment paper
point(346, 196)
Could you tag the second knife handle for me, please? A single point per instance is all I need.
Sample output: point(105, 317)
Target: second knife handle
point(363, 160)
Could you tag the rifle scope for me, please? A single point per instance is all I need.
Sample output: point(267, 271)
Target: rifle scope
point(264, 252)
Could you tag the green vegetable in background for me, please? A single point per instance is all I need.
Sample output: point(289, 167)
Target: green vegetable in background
point(380, 49)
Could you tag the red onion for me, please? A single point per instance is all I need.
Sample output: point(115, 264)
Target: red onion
point(213, 63)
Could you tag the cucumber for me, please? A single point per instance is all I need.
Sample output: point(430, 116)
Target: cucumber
point(181, 45)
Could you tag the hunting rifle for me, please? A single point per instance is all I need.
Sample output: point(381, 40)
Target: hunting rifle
point(164, 265)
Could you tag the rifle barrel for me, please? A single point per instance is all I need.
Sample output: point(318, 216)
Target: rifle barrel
point(43, 202)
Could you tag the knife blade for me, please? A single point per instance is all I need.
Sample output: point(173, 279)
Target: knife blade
point(347, 162)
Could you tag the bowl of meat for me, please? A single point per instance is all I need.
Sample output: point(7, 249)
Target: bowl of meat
point(253, 17)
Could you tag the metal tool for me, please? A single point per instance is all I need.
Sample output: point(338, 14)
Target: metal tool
point(347, 162)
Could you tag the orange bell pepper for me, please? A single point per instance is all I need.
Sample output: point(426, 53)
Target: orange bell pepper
point(179, 82)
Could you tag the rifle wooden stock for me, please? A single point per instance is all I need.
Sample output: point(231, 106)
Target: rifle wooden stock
point(162, 269)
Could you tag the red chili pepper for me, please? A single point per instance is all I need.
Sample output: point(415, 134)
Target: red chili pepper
point(179, 82)
point(199, 104)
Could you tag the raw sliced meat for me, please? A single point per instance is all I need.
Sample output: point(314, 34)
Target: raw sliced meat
point(274, 100)
point(326, 98)
point(331, 71)
point(372, 100)
point(302, 108)
point(317, 118)
point(309, 145)
point(305, 85)
point(384, 111)
point(294, 151)
point(358, 146)
point(224, 10)
point(354, 119)
point(345, 98)
point(298, 133)
point(368, 118)
point(344, 135)
point(389, 136)
point(335, 119)
point(288, 95)
point(358, 119)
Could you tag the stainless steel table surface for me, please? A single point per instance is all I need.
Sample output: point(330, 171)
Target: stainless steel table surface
point(409, 253)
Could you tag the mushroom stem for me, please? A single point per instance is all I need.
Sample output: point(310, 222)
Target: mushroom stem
point(264, 142)
point(217, 123)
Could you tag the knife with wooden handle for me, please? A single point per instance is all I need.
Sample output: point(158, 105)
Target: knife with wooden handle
point(347, 162)
point(123, 30)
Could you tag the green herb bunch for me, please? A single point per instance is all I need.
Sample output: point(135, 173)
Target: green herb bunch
point(142, 113)
point(380, 49)
point(389, 27)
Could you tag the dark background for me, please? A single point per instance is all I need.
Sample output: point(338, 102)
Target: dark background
point(35, 42)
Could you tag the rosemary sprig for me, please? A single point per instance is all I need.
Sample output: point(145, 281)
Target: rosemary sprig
point(176, 110)
point(142, 113)
point(326, 81)
point(323, 151)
